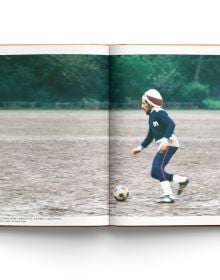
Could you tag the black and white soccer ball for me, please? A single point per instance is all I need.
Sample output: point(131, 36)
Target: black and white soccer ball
point(120, 193)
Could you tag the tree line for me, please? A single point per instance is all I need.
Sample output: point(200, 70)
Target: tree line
point(53, 78)
point(180, 78)
point(120, 79)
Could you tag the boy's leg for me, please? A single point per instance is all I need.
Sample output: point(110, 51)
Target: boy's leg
point(182, 181)
point(160, 161)
point(168, 196)
point(158, 172)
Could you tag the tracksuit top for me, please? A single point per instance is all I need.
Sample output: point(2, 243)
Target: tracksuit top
point(160, 126)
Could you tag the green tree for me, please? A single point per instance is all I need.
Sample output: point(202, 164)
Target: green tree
point(53, 77)
point(194, 92)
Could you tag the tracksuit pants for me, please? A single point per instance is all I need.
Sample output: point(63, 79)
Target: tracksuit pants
point(160, 161)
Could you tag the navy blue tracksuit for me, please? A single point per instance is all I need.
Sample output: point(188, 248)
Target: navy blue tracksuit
point(160, 126)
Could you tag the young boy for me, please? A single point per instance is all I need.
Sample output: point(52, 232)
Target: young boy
point(161, 128)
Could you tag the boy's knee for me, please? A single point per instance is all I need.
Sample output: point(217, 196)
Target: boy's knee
point(156, 172)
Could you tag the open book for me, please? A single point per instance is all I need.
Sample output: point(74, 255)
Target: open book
point(73, 126)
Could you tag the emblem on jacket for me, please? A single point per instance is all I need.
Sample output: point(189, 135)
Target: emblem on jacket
point(155, 124)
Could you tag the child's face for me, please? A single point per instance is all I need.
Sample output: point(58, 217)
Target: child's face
point(145, 106)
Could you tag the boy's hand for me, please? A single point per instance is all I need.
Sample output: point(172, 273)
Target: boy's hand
point(163, 144)
point(136, 150)
point(162, 147)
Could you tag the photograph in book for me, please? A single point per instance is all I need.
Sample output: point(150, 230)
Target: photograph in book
point(164, 134)
point(54, 137)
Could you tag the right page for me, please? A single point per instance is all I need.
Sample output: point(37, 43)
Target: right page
point(164, 135)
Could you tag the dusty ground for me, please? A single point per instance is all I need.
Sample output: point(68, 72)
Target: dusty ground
point(198, 158)
point(53, 163)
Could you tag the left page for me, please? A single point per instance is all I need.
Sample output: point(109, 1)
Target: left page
point(54, 135)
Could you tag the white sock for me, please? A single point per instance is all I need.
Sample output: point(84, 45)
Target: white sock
point(179, 179)
point(165, 185)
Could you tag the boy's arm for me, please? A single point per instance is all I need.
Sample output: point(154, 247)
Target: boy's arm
point(148, 139)
point(169, 124)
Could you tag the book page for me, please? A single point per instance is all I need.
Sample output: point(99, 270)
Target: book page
point(54, 135)
point(164, 135)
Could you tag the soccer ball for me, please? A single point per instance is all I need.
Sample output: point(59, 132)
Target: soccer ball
point(120, 193)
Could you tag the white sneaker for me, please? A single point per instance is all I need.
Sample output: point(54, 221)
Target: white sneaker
point(167, 199)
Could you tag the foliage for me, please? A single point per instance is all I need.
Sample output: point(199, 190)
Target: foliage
point(86, 80)
point(180, 78)
point(211, 103)
point(53, 78)
point(194, 92)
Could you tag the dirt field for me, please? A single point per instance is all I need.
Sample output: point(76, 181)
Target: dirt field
point(198, 158)
point(53, 163)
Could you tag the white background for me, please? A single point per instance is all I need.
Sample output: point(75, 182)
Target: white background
point(104, 253)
